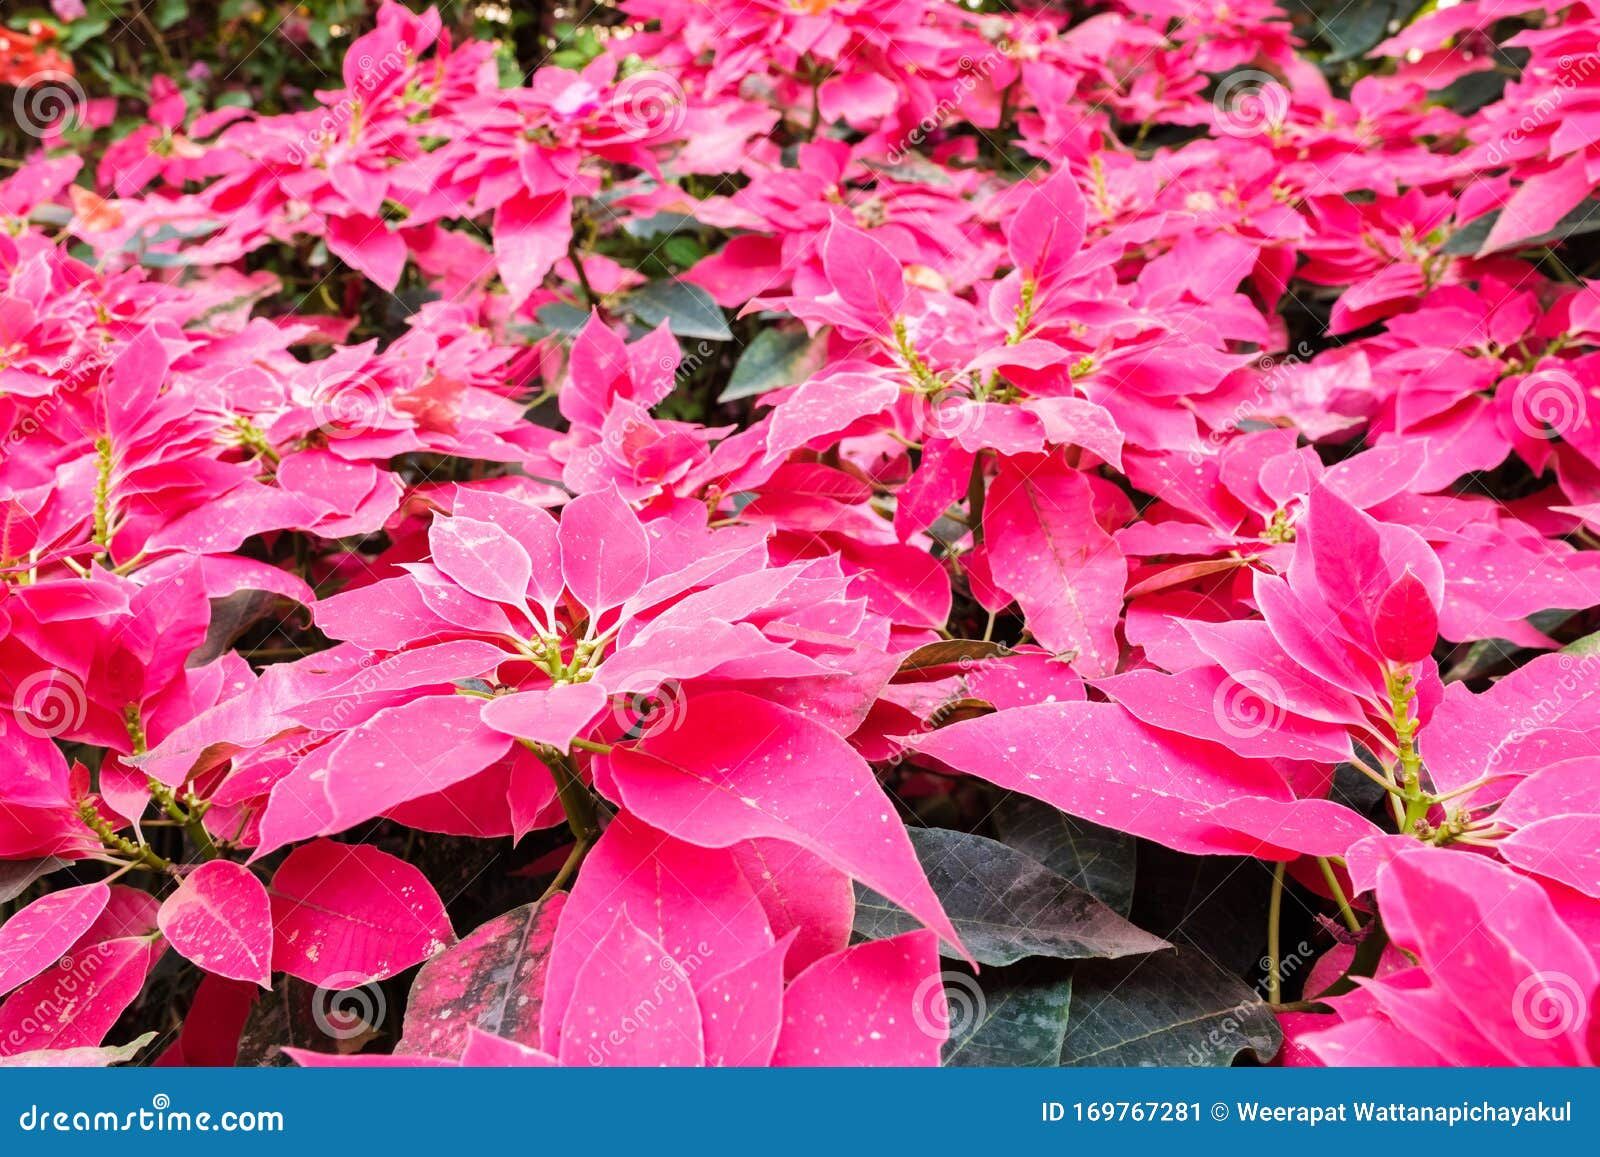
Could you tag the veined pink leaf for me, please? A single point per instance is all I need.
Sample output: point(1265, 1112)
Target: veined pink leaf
point(741, 1010)
point(864, 274)
point(1047, 549)
point(482, 557)
point(1564, 848)
point(801, 893)
point(1406, 623)
point(37, 936)
point(530, 234)
point(552, 715)
point(100, 978)
point(1094, 761)
point(400, 754)
point(632, 1004)
point(878, 1003)
point(605, 555)
point(1046, 231)
point(693, 901)
point(220, 918)
point(740, 768)
point(348, 914)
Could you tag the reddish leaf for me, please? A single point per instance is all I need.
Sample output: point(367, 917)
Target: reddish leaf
point(37, 936)
point(493, 981)
point(220, 918)
point(348, 914)
point(879, 1003)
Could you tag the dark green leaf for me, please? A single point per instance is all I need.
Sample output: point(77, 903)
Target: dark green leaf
point(1469, 239)
point(16, 876)
point(1214, 903)
point(688, 308)
point(1013, 1018)
point(1004, 905)
point(776, 358)
point(1099, 860)
point(1171, 1009)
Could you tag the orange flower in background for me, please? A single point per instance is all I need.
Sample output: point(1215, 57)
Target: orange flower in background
point(24, 56)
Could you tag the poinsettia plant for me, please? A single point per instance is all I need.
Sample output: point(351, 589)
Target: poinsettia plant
point(897, 533)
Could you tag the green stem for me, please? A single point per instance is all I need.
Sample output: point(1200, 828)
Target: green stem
point(975, 499)
point(1274, 918)
point(576, 802)
point(1332, 879)
point(102, 492)
point(140, 854)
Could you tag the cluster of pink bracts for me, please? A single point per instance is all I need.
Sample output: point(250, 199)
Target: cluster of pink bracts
point(1068, 398)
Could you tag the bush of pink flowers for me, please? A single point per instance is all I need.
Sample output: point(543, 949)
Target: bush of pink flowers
point(844, 533)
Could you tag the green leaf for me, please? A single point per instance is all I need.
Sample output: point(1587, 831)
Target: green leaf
point(16, 876)
point(1015, 1018)
point(1351, 28)
point(1588, 645)
point(1172, 1009)
point(165, 13)
point(1468, 240)
point(1004, 905)
point(556, 317)
point(776, 358)
point(687, 307)
point(1099, 860)
point(659, 225)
